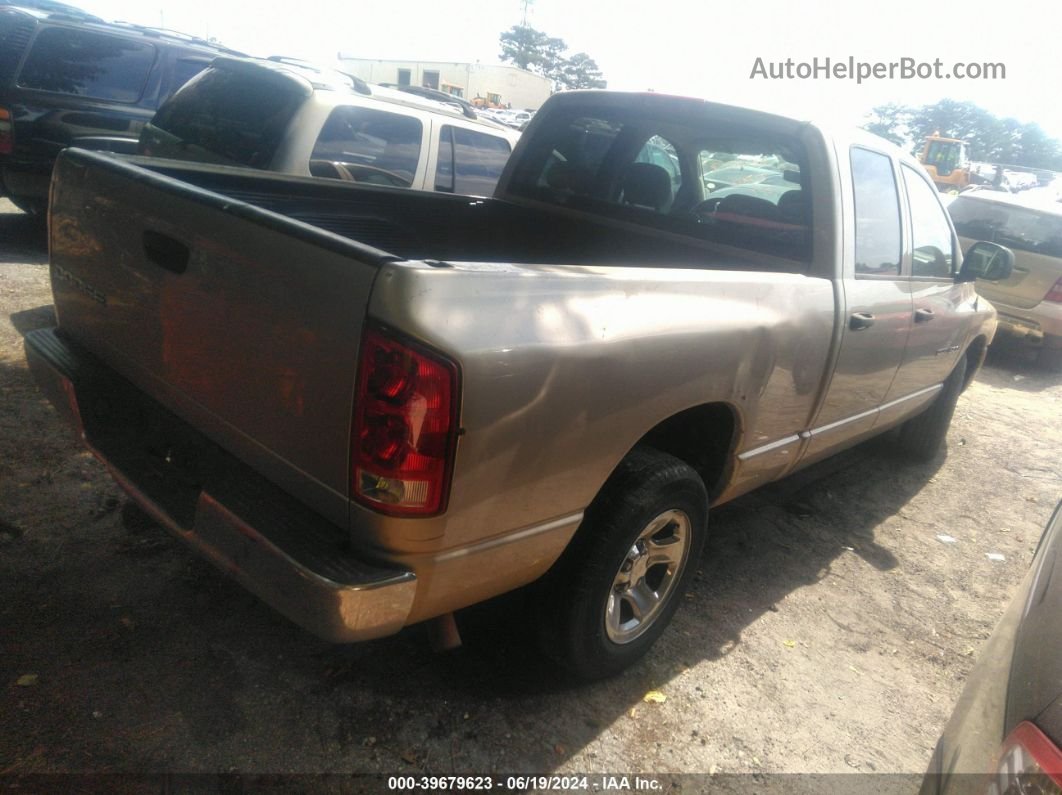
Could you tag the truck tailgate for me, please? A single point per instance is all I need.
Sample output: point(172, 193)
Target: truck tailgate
point(241, 321)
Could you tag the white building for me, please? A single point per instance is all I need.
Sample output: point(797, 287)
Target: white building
point(492, 84)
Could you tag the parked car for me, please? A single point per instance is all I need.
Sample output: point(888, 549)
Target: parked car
point(1005, 735)
point(68, 78)
point(375, 407)
point(287, 117)
point(737, 174)
point(1029, 301)
point(517, 118)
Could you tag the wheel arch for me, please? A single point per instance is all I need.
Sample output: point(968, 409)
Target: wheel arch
point(975, 357)
point(705, 437)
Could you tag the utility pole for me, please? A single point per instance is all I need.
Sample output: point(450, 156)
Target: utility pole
point(527, 3)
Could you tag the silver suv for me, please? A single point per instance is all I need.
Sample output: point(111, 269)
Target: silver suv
point(287, 117)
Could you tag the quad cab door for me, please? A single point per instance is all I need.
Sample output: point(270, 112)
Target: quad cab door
point(944, 312)
point(878, 306)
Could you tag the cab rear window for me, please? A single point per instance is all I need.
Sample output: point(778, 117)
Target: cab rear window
point(88, 64)
point(697, 175)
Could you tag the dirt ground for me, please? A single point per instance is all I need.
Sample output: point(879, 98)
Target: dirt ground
point(829, 630)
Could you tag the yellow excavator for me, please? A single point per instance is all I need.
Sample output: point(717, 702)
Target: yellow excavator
point(947, 163)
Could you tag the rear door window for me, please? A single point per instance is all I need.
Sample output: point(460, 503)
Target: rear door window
point(877, 214)
point(367, 145)
point(470, 162)
point(88, 64)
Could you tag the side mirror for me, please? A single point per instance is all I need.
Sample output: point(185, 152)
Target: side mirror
point(984, 260)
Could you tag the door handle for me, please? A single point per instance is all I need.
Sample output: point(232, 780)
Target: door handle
point(166, 252)
point(860, 321)
point(923, 315)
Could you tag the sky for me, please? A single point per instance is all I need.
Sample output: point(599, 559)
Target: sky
point(693, 47)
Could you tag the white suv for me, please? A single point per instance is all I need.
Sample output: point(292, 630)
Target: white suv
point(291, 118)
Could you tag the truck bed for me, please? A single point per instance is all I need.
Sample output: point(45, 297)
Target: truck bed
point(421, 225)
point(232, 301)
point(237, 298)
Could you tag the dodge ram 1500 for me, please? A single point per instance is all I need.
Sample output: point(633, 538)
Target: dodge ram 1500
point(374, 407)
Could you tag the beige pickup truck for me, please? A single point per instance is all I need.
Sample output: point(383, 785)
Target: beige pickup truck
point(374, 407)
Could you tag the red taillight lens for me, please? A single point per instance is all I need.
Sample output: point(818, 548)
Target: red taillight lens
point(7, 132)
point(405, 426)
point(1029, 763)
point(1055, 293)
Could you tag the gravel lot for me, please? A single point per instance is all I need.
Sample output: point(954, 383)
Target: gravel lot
point(829, 630)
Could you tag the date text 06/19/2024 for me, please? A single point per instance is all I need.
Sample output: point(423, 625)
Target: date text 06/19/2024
point(517, 783)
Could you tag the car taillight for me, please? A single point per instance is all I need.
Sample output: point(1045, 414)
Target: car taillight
point(7, 132)
point(1055, 293)
point(1029, 763)
point(405, 427)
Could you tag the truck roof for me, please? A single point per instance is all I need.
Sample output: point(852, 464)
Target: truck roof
point(672, 104)
point(335, 85)
point(678, 104)
point(1039, 203)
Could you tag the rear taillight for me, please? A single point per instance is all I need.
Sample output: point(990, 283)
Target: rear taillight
point(1055, 293)
point(1030, 763)
point(7, 132)
point(405, 427)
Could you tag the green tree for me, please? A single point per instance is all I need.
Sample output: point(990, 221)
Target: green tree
point(532, 50)
point(985, 134)
point(581, 71)
point(537, 52)
point(889, 121)
point(989, 138)
point(1038, 150)
point(524, 47)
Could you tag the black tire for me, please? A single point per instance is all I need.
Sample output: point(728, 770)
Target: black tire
point(649, 489)
point(921, 437)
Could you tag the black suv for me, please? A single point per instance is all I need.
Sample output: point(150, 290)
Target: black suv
point(68, 78)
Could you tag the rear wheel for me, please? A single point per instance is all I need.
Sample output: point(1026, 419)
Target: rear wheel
point(619, 583)
point(921, 437)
